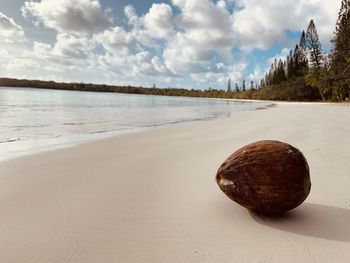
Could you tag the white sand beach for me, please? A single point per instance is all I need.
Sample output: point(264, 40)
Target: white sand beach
point(152, 196)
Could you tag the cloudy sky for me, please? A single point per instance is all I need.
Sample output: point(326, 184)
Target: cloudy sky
point(177, 43)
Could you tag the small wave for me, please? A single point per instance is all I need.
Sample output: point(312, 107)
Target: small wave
point(83, 123)
point(26, 126)
point(96, 132)
point(170, 123)
point(74, 123)
point(114, 130)
point(10, 140)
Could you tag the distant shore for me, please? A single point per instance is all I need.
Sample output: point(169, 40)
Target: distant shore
point(263, 94)
point(170, 91)
point(152, 196)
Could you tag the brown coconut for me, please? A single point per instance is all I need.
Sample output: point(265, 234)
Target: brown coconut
point(267, 177)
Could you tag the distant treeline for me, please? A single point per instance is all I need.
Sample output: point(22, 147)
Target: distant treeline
point(291, 92)
point(210, 93)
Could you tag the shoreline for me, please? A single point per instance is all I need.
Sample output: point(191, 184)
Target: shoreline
point(52, 144)
point(135, 94)
point(202, 98)
point(56, 143)
point(152, 196)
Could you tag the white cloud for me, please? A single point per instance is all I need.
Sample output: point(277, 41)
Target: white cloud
point(220, 73)
point(19, 64)
point(127, 53)
point(116, 40)
point(78, 16)
point(10, 32)
point(281, 56)
point(130, 13)
point(159, 20)
point(257, 75)
point(137, 65)
point(203, 15)
point(71, 53)
point(139, 32)
point(4, 53)
point(185, 38)
point(237, 71)
point(260, 23)
point(205, 34)
point(68, 46)
point(72, 46)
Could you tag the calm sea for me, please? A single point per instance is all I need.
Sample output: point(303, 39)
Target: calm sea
point(33, 120)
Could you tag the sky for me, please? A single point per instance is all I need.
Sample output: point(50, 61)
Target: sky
point(176, 43)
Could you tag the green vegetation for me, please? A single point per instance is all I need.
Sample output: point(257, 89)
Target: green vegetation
point(328, 73)
point(307, 74)
point(332, 76)
point(293, 90)
point(210, 93)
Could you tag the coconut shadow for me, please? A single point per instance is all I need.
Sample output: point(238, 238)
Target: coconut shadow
point(314, 220)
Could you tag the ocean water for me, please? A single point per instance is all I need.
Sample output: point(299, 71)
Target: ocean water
point(33, 120)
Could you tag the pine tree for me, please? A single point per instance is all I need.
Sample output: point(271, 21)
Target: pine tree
point(314, 46)
point(237, 88)
point(229, 85)
point(252, 85)
point(270, 76)
point(290, 65)
point(296, 61)
point(281, 76)
point(266, 81)
point(303, 61)
point(302, 43)
point(262, 83)
point(340, 56)
point(317, 74)
point(243, 86)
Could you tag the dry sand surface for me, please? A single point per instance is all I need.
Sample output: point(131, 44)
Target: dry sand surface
point(152, 196)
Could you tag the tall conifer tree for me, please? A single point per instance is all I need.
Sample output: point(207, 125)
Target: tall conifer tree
point(303, 61)
point(229, 85)
point(296, 60)
point(302, 43)
point(237, 88)
point(290, 65)
point(314, 46)
point(340, 57)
